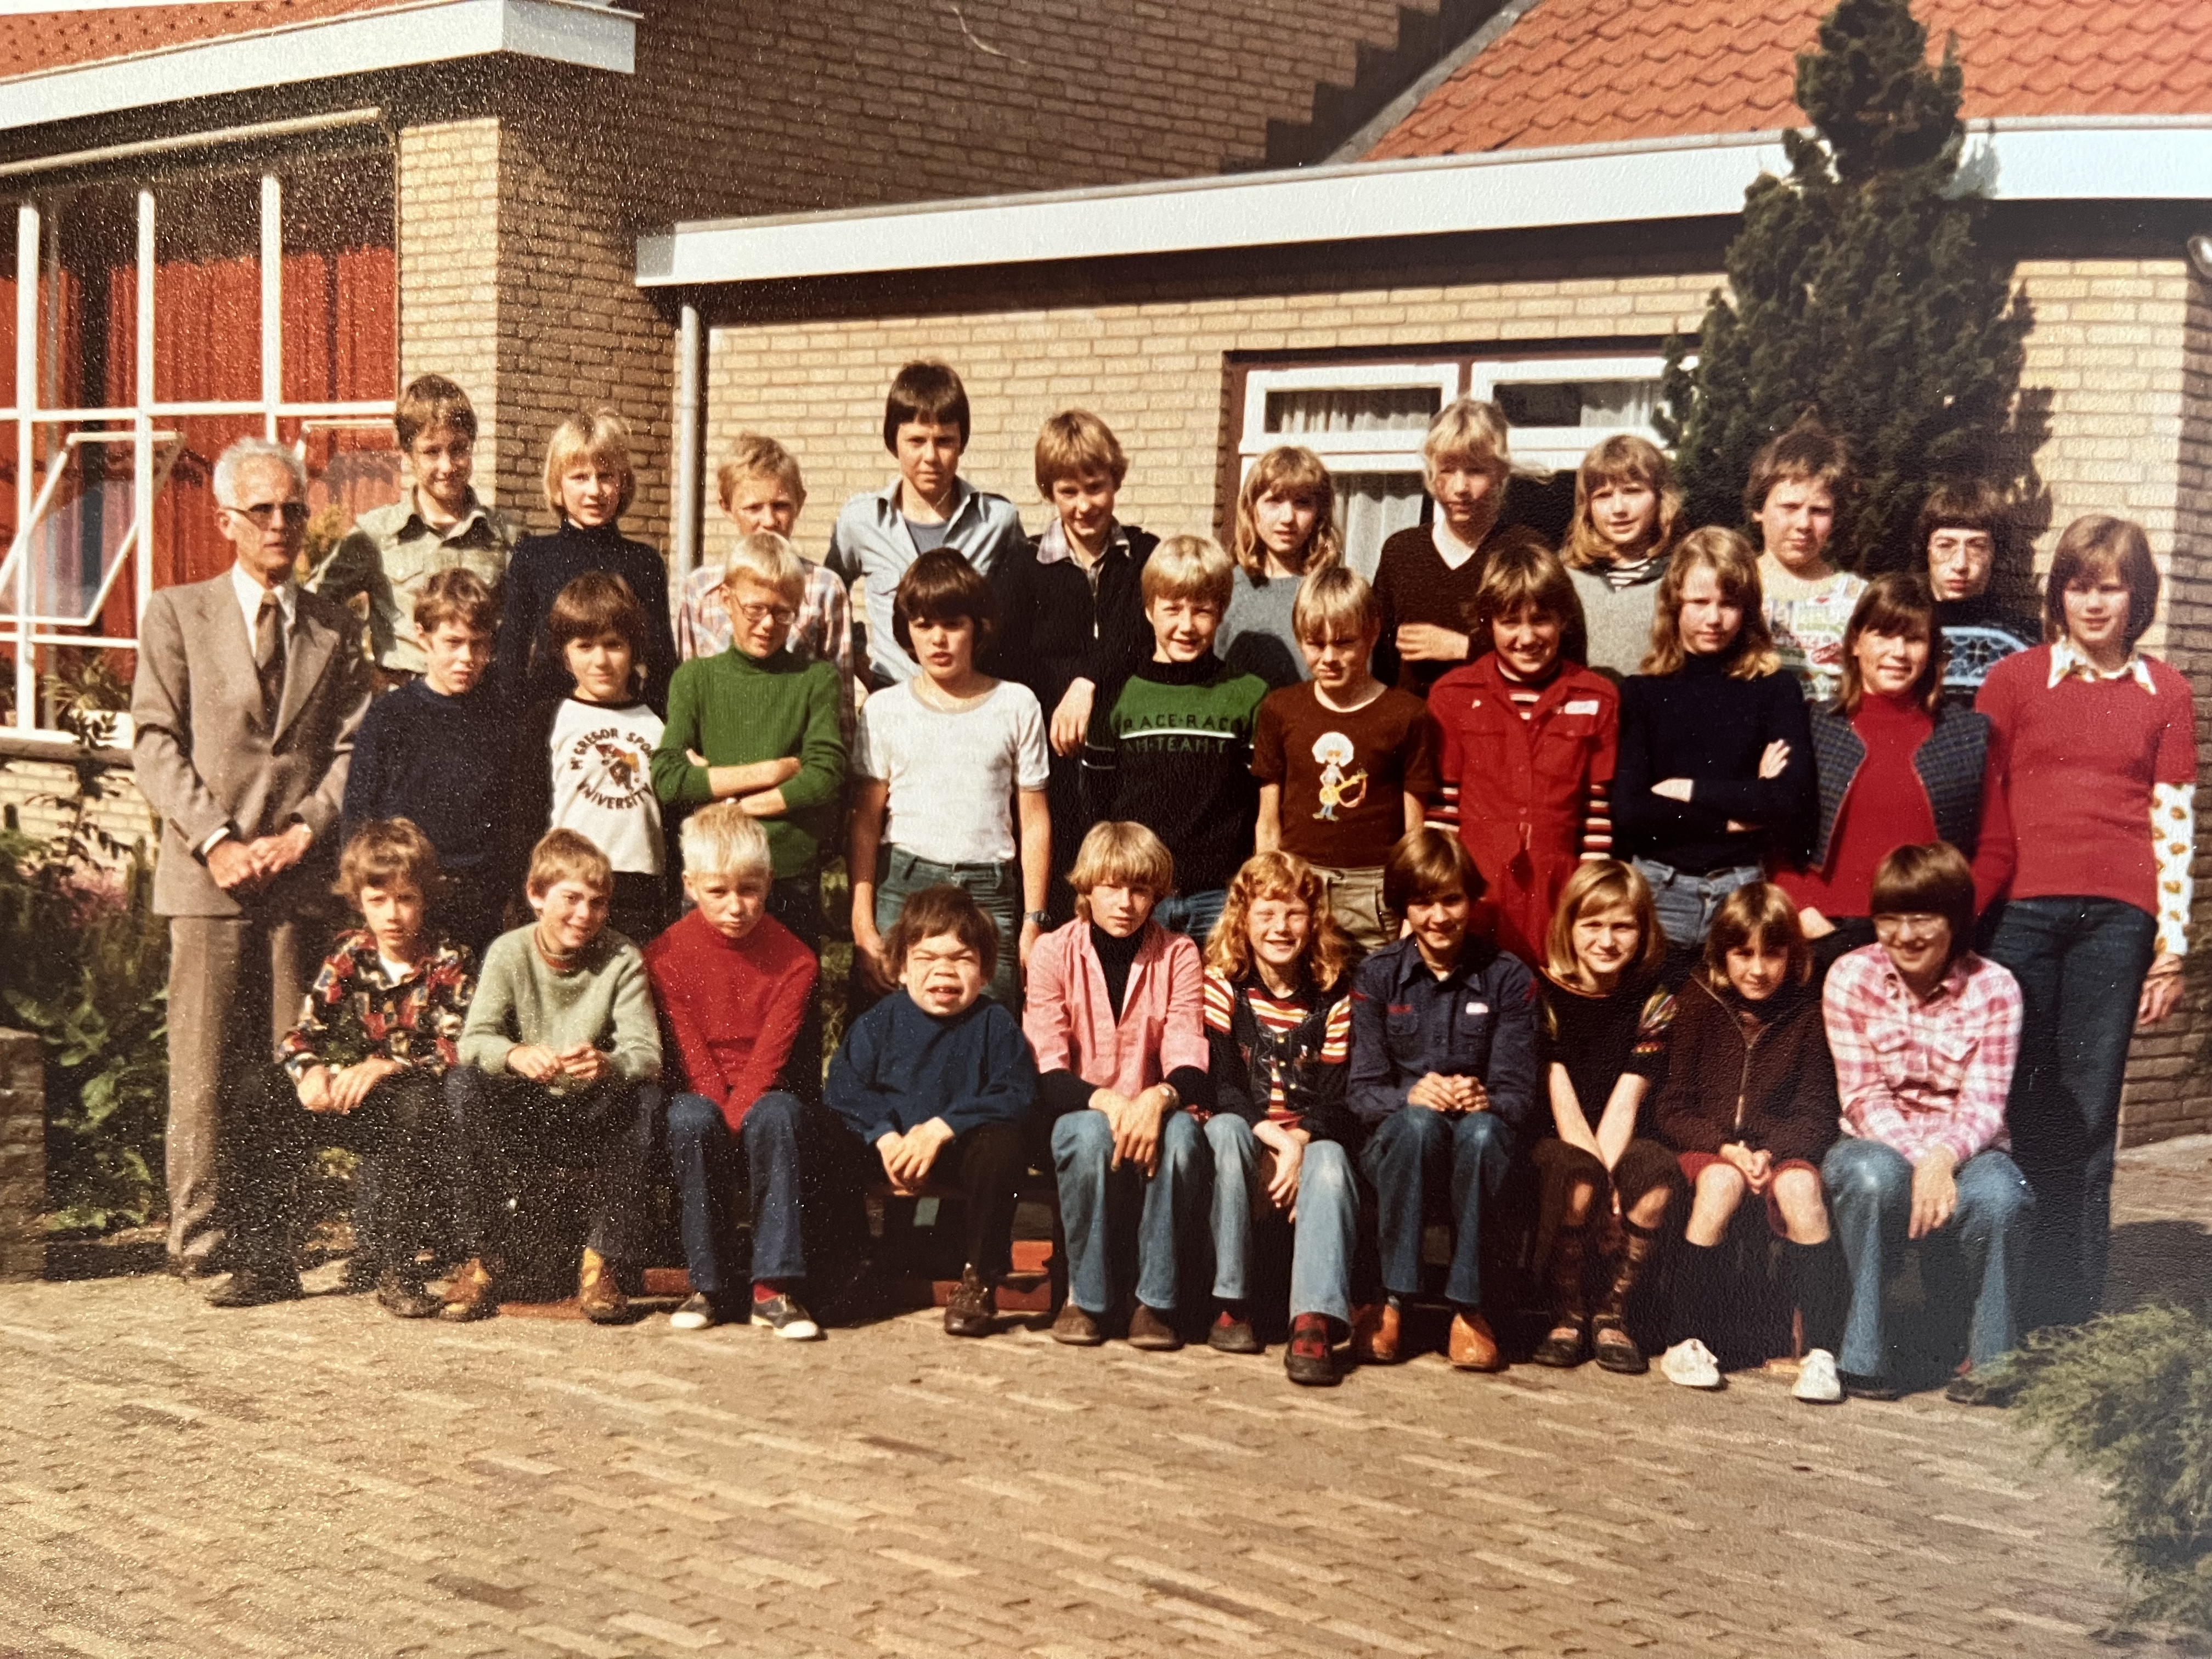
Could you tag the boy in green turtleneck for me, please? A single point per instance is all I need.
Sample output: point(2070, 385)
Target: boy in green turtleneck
point(756, 724)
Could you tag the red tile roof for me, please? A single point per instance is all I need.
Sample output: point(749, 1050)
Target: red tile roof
point(33, 41)
point(1597, 71)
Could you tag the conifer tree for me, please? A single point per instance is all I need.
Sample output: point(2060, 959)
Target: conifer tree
point(1860, 286)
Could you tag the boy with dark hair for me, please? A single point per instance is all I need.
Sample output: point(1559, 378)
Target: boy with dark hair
point(372, 1055)
point(437, 525)
point(936, 1081)
point(562, 1057)
point(1801, 486)
point(439, 751)
point(1964, 528)
point(1445, 1070)
point(928, 506)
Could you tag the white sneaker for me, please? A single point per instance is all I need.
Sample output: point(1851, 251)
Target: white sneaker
point(1817, 1382)
point(696, 1314)
point(1691, 1364)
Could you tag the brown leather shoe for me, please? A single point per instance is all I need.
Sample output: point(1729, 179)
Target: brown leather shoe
point(1374, 1333)
point(972, 1308)
point(1076, 1328)
point(472, 1292)
point(1151, 1332)
point(400, 1293)
point(598, 1293)
point(1472, 1347)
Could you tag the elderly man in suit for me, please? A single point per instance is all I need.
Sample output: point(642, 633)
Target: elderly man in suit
point(247, 696)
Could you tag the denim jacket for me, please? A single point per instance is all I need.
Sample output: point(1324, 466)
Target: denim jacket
point(1479, 1020)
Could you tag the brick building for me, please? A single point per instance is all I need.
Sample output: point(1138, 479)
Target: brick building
point(1528, 221)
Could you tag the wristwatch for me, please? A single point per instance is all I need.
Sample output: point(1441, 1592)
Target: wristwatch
point(1042, 918)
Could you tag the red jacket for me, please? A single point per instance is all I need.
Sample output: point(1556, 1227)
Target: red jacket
point(1529, 784)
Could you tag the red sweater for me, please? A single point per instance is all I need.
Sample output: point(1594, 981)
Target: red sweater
point(1886, 807)
point(2077, 761)
point(731, 1010)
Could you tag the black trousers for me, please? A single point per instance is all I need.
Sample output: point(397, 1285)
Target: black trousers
point(507, 1127)
point(404, 1135)
point(985, 1166)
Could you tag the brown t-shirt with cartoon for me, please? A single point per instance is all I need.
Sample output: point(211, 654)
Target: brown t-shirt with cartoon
point(1344, 776)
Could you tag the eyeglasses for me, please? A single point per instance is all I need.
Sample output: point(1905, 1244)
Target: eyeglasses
point(1917, 924)
point(263, 513)
point(783, 615)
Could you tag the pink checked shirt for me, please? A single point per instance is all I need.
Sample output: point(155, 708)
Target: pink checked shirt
point(1069, 1019)
point(1918, 1075)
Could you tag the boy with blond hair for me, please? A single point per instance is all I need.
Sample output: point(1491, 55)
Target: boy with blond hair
point(392, 552)
point(1428, 575)
point(562, 1059)
point(1072, 612)
point(1345, 763)
point(1173, 751)
point(736, 989)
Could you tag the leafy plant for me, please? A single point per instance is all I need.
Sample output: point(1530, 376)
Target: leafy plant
point(2129, 1397)
point(1861, 287)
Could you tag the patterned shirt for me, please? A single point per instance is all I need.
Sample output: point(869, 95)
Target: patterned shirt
point(1917, 1075)
point(822, 632)
point(1280, 1017)
point(354, 1012)
point(1809, 620)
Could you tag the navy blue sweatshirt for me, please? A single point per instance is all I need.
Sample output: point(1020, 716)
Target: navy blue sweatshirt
point(451, 764)
point(524, 664)
point(898, 1068)
point(1478, 1021)
point(1698, 723)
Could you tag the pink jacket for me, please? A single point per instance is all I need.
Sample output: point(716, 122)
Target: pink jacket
point(1070, 1022)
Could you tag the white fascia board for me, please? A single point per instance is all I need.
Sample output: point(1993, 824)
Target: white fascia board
point(564, 31)
point(1502, 189)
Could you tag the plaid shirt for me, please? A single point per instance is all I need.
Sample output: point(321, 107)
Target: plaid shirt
point(1918, 1075)
point(822, 632)
point(353, 1013)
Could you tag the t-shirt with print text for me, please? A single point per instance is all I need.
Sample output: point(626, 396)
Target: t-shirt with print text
point(1344, 776)
point(602, 760)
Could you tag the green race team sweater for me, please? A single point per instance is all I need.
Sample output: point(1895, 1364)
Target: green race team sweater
point(1175, 754)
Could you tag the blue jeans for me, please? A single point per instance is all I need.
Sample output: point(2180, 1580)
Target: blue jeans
point(1192, 915)
point(1687, 903)
point(779, 1141)
point(1415, 1154)
point(996, 888)
point(1869, 1187)
point(1322, 1238)
point(2080, 963)
point(1092, 1196)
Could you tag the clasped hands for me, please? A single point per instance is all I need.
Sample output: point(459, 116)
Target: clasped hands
point(909, 1158)
point(1452, 1095)
point(339, 1090)
point(1135, 1123)
point(581, 1062)
point(247, 866)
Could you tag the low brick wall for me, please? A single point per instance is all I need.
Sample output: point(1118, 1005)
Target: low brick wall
point(22, 1156)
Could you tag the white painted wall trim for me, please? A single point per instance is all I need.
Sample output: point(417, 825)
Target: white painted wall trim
point(2107, 159)
point(593, 36)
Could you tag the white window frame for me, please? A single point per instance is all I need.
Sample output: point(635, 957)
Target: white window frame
point(1343, 452)
point(1561, 446)
point(145, 416)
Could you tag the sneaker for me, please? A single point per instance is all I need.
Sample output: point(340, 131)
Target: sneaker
point(696, 1314)
point(1232, 1333)
point(1818, 1382)
point(1308, 1361)
point(1691, 1364)
point(779, 1311)
point(598, 1292)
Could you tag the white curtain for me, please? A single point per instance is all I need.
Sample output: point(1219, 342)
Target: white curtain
point(1370, 507)
point(1370, 504)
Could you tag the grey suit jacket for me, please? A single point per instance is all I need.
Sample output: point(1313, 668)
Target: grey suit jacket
point(207, 757)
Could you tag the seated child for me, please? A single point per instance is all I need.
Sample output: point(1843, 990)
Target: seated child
point(1278, 1026)
point(1604, 1022)
point(439, 751)
point(1345, 762)
point(1114, 1073)
point(562, 1059)
point(1749, 1106)
point(589, 484)
point(1526, 738)
point(1174, 751)
point(1445, 1073)
point(945, 764)
point(936, 1084)
point(376, 1042)
point(735, 989)
point(599, 743)
point(1925, 1034)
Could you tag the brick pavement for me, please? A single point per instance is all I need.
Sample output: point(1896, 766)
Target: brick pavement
point(319, 1480)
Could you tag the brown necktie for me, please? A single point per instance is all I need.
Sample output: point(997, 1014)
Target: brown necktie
point(269, 655)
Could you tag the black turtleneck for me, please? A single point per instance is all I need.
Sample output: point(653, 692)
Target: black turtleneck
point(1062, 1090)
point(1115, 956)
point(524, 665)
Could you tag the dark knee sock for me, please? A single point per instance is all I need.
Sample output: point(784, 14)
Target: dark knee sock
point(1818, 1288)
point(1699, 1295)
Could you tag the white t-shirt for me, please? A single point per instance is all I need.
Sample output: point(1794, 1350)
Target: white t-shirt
point(602, 760)
point(952, 777)
point(1809, 621)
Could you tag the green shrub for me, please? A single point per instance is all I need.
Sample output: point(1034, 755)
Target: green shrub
point(2129, 1397)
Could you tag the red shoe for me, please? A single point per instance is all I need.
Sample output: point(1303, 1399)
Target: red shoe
point(1308, 1361)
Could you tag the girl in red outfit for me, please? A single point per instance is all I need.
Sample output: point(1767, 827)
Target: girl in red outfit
point(1897, 766)
point(1532, 733)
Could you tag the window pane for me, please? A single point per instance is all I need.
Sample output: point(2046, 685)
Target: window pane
point(88, 298)
point(1372, 507)
point(77, 539)
point(1578, 403)
point(341, 314)
point(1355, 409)
point(207, 290)
point(188, 546)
